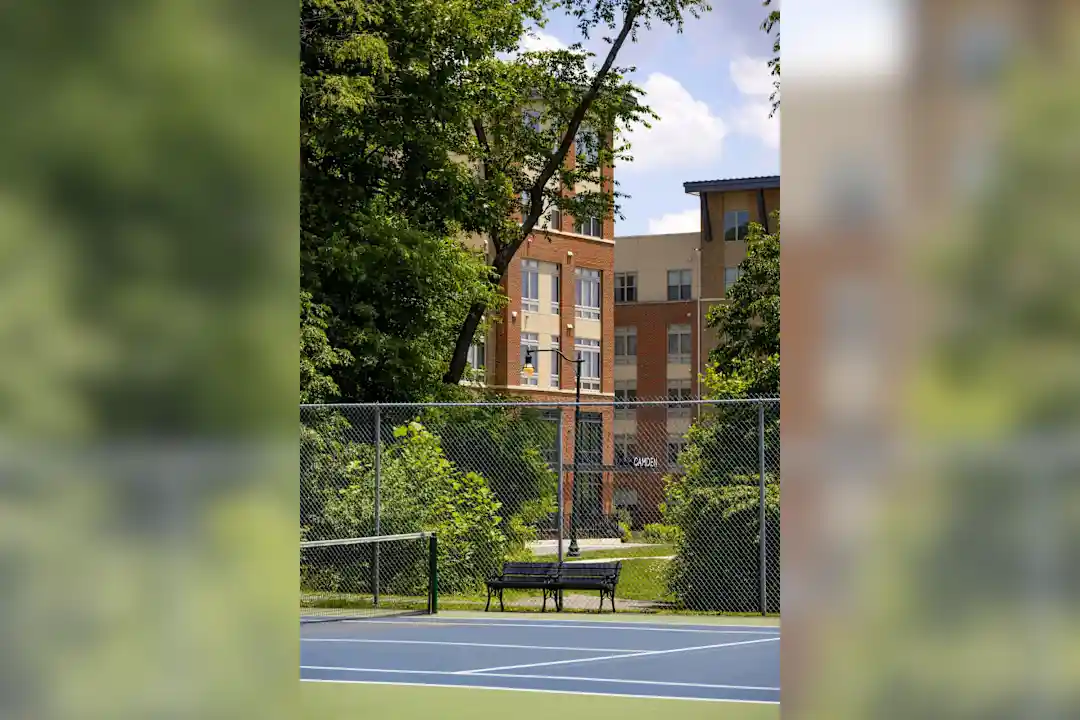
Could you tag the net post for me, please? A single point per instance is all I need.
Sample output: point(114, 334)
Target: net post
point(378, 503)
point(763, 544)
point(433, 574)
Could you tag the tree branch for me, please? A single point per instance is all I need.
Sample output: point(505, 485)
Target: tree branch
point(481, 137)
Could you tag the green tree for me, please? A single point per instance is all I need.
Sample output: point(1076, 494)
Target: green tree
point(771, 25)
point(317, 357)
point(715, 502)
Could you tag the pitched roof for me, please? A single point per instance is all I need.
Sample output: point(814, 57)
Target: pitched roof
point(760, 182)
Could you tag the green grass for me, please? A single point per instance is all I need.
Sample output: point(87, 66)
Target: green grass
point(404, 702)
point(630, 552)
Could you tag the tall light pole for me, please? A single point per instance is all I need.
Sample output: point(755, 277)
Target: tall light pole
point(573, 550)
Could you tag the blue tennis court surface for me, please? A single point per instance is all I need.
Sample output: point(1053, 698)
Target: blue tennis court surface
point(669, 660)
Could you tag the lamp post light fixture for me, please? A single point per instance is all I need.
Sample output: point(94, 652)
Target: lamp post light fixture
point(573, 550)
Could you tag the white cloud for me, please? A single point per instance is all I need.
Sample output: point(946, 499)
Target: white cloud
point(538, 40)
point(687, 133)
point(752, 77)
point(679, 222)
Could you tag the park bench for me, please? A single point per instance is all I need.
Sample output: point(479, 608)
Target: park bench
point(553, 578)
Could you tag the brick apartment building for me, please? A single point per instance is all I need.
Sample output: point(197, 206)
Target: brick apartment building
point(664, 287)
point(560, 288)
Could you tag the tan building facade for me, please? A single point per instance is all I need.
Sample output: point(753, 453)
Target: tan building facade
point(664, 287)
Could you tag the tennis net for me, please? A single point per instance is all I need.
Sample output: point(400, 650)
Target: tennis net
point(365, 577)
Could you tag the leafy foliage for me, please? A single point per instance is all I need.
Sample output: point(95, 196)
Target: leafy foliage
point(421, 490)
point(714, 503)
point(769, 24)
point(317, 357)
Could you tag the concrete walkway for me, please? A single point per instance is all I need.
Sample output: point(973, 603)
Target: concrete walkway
point(621, 559)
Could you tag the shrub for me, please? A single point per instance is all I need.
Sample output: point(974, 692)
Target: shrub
point(421, 490)
point(660, 534)
point(717, 551)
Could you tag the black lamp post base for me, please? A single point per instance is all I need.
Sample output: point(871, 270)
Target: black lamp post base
point(573, 551)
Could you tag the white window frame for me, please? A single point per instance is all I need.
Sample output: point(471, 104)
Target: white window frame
point(682, 356)
point(593, 365)
point(623, 336)
point(591, 152)
point(736, 220)
point(587, 282)
point(625, 391)
point(683, 290)
point(624, 283)
point(552, 219)
point(556, 290)
point(591, 226)
point(627, 443)
point(678, 390)
point(530, 283)
point(530, 341)
point(731, 276)
point(556, 362)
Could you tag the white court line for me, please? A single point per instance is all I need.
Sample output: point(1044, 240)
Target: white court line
point(470, 644)
point(582, 625)
point(561, 678)
point(552, 692)
point(648, 653)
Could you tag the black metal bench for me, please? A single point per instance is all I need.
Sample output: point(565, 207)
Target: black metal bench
point(553, 578)
point(589, 576)
point(523, 576)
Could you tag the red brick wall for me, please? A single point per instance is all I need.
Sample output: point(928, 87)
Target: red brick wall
point(652, 320)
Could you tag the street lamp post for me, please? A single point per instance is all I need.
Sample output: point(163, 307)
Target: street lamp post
point(573, 550)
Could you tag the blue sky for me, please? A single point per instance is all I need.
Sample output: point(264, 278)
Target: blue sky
point(710, 85)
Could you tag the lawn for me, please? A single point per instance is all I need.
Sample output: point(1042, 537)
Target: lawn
point(405, 702)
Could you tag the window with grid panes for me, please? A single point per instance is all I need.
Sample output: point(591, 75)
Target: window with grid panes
point(556, 362)
point(679, 285)
point(625, 391)
point(624, 449)
point(678, 344)
point(530, 286)
point(530, 344)
point(736, 225)
point(555, 279)
point(626, 345)
point(592, 226)
point(675, 445)
point(731, 275)
point(625, 287)
point(587, 293)
point(590, 369)
point(678, 390)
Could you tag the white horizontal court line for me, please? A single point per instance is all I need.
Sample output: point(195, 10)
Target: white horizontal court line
point(537, 690)
point(583, 625)
point(560, 678)
point(648, 653)
point(470, 644)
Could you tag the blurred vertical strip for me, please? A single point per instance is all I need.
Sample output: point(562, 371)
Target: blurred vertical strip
point(148, 345)
point(930, 268)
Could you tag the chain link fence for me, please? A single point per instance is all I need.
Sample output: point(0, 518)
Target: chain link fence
point(677, 490)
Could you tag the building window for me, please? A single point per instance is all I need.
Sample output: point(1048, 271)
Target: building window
point(476, 356)
point(530, 345)
point(556, 362)
point(678, 285)
point(736, 225)
point(530, 286)
point(591, 226)
point(587, 294)
point(626, 345)
point(678, 390)
point(625, 391)
point(531, 119)
point(555, 280)
point(553, 219)
point(731, 275)
point(587, 145)
point(590, 369)
point(675, 445)
point(678, 344)
point(624, 449)
point(625, 287)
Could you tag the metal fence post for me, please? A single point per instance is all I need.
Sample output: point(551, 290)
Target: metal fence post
point(559, 505)
point(763, 544)
point(378, 503)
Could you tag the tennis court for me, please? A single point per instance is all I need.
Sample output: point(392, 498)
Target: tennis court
point(705, 662)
